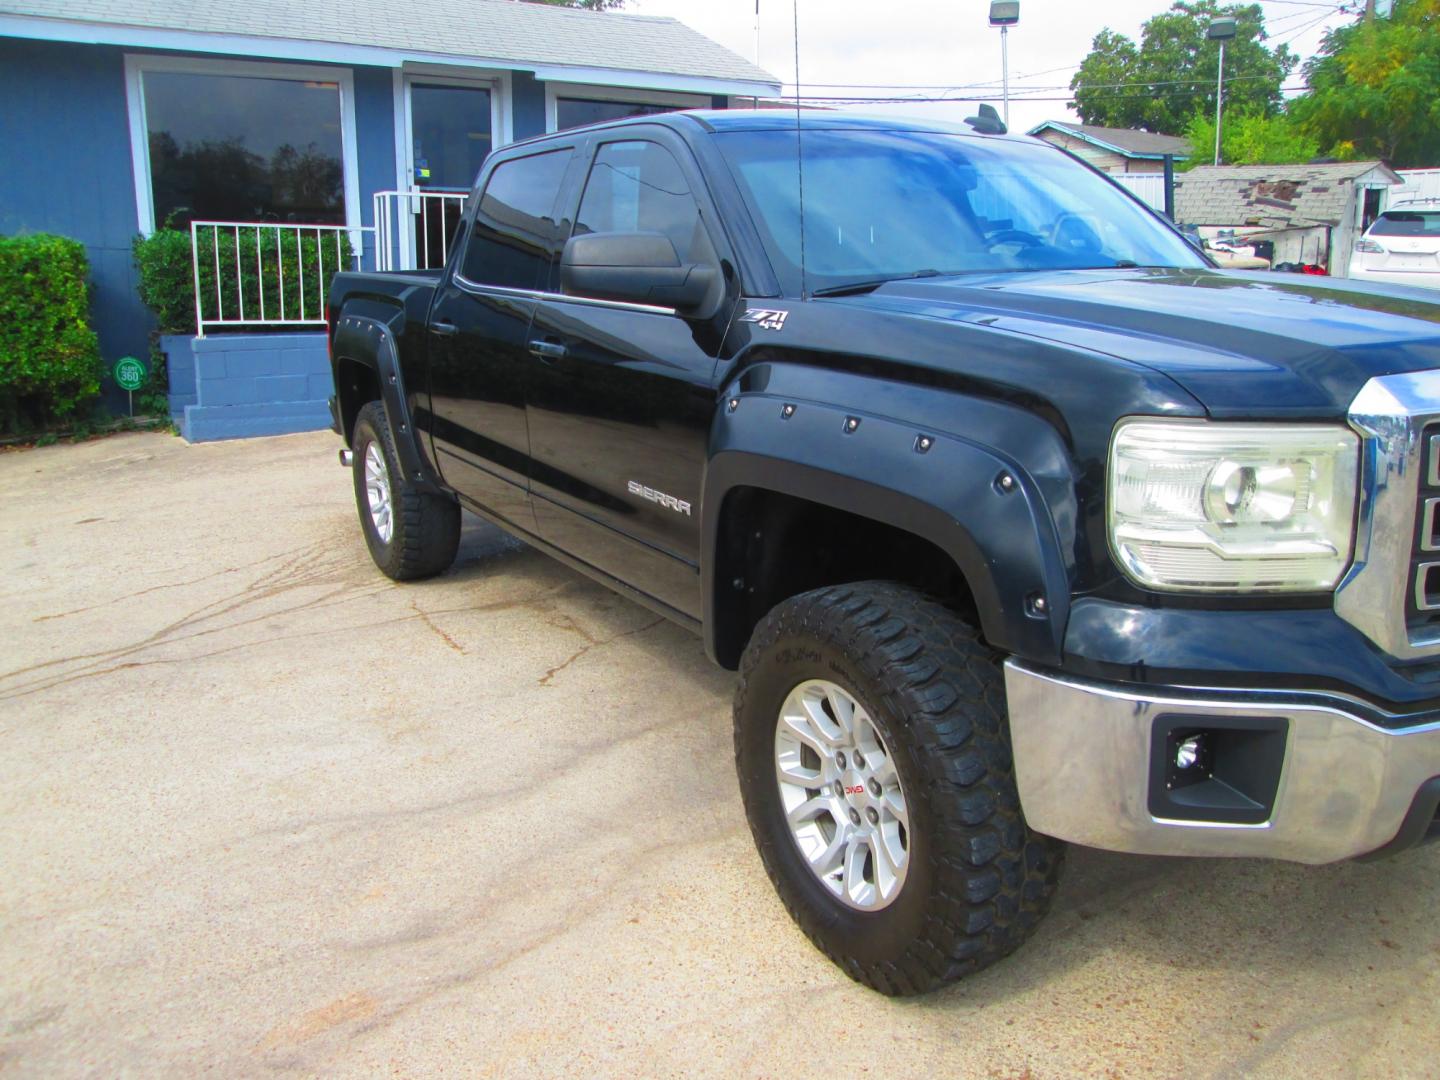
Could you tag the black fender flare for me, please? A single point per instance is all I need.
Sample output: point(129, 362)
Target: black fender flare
point(372, 340)
point(985, 505)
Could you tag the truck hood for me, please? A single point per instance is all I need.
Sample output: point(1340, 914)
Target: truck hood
point(1241, 343)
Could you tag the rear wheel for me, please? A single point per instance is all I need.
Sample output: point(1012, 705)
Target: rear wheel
point(410, 533)
point(875, 765)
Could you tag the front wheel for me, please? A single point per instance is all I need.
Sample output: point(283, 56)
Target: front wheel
point(410, 533)
point(875, 766)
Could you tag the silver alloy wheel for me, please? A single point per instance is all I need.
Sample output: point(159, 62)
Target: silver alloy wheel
point(377, 489)
point(842, 796)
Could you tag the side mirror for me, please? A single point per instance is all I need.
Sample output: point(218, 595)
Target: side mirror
point(637, 268)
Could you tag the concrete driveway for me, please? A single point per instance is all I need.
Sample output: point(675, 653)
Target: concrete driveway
point(262, 811)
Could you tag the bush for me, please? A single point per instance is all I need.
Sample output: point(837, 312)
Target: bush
point(49, 358)
point(266, 257)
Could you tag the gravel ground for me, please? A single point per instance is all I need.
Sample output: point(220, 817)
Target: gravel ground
point(262, 810)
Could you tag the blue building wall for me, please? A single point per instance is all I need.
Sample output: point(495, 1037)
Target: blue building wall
point(527, 117)
point(65, 139)
point(65, 130)
point(65, 136)
point(374, 139)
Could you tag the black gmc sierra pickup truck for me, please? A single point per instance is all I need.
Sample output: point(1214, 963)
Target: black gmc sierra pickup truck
point(1022, 523)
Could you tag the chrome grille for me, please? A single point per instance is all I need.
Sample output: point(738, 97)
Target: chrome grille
point(1392, 591)
point(1424, 606)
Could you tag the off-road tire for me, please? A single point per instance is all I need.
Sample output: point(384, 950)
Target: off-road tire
point(426, 526)
point(979, 880)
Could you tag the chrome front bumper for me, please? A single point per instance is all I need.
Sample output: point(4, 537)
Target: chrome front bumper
point(1083, 761)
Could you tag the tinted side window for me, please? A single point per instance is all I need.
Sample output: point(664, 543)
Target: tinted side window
point(638, 187)
point(514, 227)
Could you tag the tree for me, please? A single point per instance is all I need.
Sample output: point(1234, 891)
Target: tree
point(1161, 83)
point(1255, 139)
point(1375, 88)
point(589, 5)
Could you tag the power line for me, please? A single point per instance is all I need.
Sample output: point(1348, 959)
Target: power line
point(890, 99)
point(935, 86)
point(1291, 35)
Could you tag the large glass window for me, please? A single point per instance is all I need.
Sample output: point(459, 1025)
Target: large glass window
point(237, 148)
point(638, 187)
point(882, 204)
point(574, 112)
point(515, 230)
point(451, 127)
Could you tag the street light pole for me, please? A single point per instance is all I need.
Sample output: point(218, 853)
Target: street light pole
point(1219, 99)
point(1005, 69)
point(1005, 14)
point(1221, 30)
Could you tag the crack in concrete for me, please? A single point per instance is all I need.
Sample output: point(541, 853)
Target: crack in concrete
point(441, 634)
point(591, 642)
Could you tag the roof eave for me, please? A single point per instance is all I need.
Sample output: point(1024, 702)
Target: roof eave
point(1085, 137)
point(327, 52)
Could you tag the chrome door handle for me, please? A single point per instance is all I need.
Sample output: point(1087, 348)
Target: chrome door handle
point(444, 329)
point(547, 350)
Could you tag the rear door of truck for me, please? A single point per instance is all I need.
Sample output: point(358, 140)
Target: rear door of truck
point(479, 332)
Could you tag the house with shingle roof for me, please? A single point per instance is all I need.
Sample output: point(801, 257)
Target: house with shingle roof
point(1332, 201)
point(1114, 150)
point(122, 115)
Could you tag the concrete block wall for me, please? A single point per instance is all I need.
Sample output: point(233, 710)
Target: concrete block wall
point(242, 385)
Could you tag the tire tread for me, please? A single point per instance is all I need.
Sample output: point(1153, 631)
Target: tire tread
point(995, 878)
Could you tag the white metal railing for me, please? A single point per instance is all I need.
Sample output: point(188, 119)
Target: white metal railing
point(260, 273)
point(414, 229)
point(250, 273)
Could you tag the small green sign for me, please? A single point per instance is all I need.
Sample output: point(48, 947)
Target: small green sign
point(129, 373)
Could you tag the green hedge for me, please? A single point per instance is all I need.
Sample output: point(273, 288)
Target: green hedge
point(266, 257)
point(49, 358)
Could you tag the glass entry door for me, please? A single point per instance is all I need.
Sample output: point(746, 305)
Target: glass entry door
point(451, 131)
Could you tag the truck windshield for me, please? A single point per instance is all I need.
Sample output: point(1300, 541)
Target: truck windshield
point(891, 204)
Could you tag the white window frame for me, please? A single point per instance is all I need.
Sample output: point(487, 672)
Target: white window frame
point(554, 91)
point(136, 64)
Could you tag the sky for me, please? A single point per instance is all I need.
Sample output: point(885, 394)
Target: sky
point(948, 43)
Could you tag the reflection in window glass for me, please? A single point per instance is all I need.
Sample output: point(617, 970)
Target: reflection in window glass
point(451, 126)
point(881, 204)
point(638, 187)
point(573, 112)
point(236, 148)
point(515, 232)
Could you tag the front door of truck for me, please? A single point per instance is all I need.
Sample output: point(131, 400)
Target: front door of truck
point(479, 333)
point(621, 396)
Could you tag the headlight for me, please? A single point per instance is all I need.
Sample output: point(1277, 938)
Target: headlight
point(1201, 505)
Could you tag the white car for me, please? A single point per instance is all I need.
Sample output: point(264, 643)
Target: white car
point(1402, 247)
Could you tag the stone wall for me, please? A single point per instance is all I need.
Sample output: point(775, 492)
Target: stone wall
point(234, 386)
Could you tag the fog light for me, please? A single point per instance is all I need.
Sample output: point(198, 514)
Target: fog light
point(1187, 754)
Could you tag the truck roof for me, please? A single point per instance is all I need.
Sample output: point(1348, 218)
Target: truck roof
point(780, 119)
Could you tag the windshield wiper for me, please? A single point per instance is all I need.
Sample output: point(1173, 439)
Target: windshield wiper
point(869, 286)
